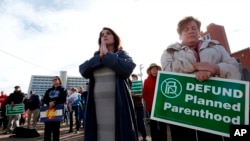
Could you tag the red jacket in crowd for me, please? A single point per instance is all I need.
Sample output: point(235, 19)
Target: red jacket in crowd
point(3, 98)
point(148, 91)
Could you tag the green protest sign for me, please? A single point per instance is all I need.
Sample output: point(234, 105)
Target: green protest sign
point(136, 87)
point(15, 110)
point(210, 106)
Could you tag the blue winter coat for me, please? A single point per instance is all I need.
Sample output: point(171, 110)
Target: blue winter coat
point(125, 123)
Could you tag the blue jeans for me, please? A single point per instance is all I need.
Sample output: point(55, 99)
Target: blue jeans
point(139, 111)
point(75, 109)
point(65, 115)
point(82, 115)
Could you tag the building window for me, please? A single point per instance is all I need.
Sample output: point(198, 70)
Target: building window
point(206, 37)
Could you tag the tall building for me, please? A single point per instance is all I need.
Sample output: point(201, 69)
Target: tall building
point(217, 32)
point(40, 83)
point(243, 56)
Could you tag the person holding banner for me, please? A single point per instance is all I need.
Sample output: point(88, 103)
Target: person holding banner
point(55, 95)
point(139, 107)
point(158, 130)
point(204, 59)
point(109, 113)
point(14, 98)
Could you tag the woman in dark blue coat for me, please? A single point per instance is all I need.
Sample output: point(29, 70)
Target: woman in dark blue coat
point(109, 108)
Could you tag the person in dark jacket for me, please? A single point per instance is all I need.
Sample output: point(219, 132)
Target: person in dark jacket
point(139, 110)
point(55, 95)
point(85, 93)
point(110, 113)
point(82, 109)
point(14, 98)
point(33, 109)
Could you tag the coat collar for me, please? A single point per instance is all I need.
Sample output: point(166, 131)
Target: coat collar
point(177, 46)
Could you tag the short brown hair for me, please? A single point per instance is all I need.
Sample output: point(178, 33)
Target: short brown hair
point(74, 89)
point(185, 21)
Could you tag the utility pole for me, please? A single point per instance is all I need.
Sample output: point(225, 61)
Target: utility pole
point(140, 74)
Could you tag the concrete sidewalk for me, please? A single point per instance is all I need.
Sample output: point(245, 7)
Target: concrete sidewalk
point(64, 136)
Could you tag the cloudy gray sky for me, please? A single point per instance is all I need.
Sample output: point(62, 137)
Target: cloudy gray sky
point(43, 37)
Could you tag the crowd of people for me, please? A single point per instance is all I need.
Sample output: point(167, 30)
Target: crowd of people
point(112, 115)
point(73, 100)
point(31, 112)
point(108, 110)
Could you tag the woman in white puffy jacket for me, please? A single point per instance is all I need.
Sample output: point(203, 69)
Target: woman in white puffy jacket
point(204, 59)
point(74, 105)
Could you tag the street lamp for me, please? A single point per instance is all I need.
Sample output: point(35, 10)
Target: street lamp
point(140, 74)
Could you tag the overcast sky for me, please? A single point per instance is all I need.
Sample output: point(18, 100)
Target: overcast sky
point(44, 37)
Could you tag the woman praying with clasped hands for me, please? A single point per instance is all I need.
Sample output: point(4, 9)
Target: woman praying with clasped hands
point(109, 109)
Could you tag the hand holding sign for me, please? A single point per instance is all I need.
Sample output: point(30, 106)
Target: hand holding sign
point(203, 75)
point(207, 66)
point(51, 104)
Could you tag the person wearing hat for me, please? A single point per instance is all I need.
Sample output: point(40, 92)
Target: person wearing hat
point(148, 95)
point(14, 98)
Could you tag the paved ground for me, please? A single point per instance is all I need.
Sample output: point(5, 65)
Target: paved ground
point(64, 136)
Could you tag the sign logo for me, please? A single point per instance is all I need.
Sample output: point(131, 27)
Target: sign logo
point(51, 113)
point(171, 88)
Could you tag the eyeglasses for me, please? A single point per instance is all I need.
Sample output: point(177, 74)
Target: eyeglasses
point(54, 79)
